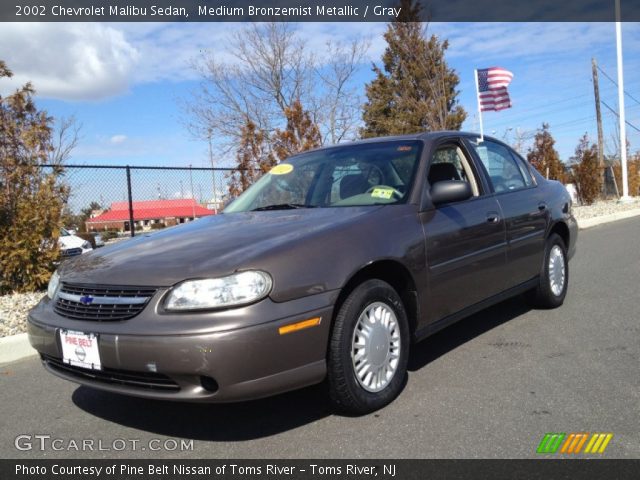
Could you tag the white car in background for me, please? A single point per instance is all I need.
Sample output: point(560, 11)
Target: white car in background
point(71, 245)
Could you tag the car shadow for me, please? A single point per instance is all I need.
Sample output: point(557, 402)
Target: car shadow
point(266, 417)
point(232, 422)
point(465, 330)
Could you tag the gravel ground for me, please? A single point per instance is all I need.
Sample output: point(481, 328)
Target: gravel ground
point(14, 308)
point(13, 311)
point(606, 207)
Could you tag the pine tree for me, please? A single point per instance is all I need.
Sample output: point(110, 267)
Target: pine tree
point(300, 134)
point(259, 152)
point(586, 172)
point(31, 200)
point(415, 90)
point(252, 159)
point(633, 174)
point(544, 157)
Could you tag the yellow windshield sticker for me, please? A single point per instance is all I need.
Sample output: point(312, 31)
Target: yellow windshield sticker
point(281, 169)
point(385, 193)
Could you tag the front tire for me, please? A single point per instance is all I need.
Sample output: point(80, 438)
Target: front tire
point(554, 276)
point(369, 349)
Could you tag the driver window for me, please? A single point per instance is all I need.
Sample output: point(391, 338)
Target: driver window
point(450, 163)
point(504, 173)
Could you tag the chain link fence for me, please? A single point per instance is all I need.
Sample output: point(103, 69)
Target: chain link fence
point(123, 200)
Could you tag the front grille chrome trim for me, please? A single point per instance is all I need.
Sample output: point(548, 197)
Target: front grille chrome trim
point(101, 303)
point(104, 300)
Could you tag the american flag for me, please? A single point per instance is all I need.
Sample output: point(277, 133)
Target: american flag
point(492, 86)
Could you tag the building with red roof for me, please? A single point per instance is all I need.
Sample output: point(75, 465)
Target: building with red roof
point(147, 213)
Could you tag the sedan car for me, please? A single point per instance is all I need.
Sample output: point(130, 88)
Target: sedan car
point(330, 267)
point(98, 239)
point(72, 245)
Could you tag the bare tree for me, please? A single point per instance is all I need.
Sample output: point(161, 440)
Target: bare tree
point(338, 108)
point(270, 69)
point(64, 139)
point(518, 138)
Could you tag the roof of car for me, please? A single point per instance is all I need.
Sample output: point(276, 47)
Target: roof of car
point(420, 136)
point(425, 136)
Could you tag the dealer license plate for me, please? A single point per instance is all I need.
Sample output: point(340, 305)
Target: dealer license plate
point(80, 349)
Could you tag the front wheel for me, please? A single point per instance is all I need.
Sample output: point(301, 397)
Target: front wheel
point(369, 349)
point(554, 276)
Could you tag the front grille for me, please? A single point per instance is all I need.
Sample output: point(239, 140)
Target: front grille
point(71, 252)
point(141, 380)
point(101, 303)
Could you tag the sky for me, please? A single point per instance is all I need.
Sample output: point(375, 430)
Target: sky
point(125, 82)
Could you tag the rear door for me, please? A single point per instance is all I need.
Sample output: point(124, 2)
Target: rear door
point(525, 211)
point(465, 241)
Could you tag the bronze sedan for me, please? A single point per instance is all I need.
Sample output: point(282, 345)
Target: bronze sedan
point(328, 267)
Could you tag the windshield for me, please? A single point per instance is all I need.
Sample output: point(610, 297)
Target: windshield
point(355, 175)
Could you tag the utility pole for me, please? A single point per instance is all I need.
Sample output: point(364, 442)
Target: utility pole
point(596, 94)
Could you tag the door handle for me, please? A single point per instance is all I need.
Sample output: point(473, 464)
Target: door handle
point(493, 217)
point(542, 206)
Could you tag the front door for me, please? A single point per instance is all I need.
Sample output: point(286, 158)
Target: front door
point(465, 241)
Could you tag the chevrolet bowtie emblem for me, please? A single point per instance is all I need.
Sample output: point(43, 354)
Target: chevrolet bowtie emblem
point(86, 300)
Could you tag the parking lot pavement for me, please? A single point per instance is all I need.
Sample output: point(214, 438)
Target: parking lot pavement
point(490, 386)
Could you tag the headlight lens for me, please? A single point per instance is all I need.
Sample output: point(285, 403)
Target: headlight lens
point(237, 289)
point(54, 283)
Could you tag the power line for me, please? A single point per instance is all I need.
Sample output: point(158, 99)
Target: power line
point(523, 115)
point(616, 84)
point(617, 115)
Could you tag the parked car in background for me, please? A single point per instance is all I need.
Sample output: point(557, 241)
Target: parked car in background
point(329, 267)
point(72, 245)
point(98, 239)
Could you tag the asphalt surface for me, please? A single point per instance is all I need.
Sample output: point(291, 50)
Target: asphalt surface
point(489, 386)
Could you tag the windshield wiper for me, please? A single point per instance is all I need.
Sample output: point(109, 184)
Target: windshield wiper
point(283, 206)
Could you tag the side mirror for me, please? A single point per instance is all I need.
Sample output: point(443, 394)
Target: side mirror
point(449, 191)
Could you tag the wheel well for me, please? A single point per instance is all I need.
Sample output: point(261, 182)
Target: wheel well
point(561, 229)
point(396, 275)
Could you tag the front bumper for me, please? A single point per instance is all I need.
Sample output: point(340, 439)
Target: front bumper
point(217, 366)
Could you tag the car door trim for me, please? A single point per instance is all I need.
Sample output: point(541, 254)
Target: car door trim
point(483, 253)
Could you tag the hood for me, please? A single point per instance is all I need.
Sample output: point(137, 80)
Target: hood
point(209, 247)
point(70, 241)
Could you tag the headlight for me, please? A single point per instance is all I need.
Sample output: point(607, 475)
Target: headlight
point(54, 283)
point(237, 289)
point(86, 246)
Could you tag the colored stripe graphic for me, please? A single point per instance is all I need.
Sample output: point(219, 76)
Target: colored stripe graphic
point(598, 442)
point(574, 443)
point(550, 442)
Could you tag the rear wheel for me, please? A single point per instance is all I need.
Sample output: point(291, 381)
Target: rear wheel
point(554, 276)
point(368, 353)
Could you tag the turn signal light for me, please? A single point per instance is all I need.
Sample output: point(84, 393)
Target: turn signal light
point(294, 327)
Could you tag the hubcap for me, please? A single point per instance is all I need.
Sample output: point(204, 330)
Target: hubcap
point(557, 270)
point(375, 347)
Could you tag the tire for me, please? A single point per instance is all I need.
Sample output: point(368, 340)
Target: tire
point(548, 293)
point(385, 350)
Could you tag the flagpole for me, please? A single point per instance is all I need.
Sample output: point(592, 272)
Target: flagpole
point(479, 108)
point(623, 129)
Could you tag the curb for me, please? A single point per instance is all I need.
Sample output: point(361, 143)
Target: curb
point(15, 347)
point(592, 222)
